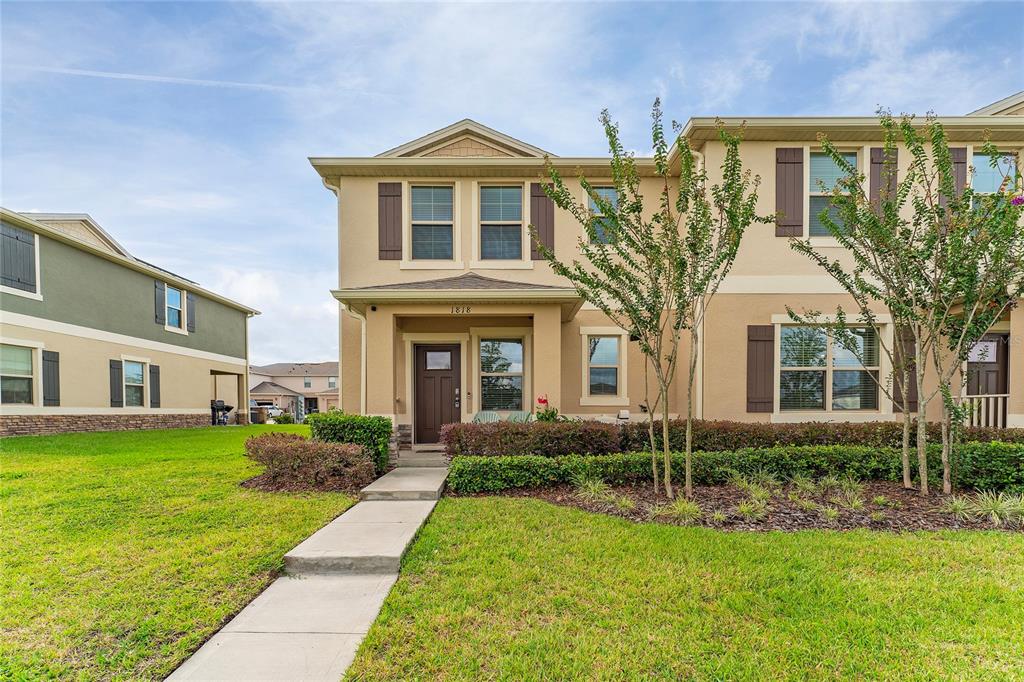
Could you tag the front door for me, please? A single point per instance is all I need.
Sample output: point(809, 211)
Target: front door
point(438, 394)
point(987, 366)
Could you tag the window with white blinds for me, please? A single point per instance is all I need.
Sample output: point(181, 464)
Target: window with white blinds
point(501, 223)
point(825, 174)
point(432, 223)
point(819, 373)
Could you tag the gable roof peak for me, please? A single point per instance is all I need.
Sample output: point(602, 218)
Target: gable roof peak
point(465, 138)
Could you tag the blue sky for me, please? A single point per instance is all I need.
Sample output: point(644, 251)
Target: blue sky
point(184, 129)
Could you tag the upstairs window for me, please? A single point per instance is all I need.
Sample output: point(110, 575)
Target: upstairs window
point(307, 382)
point(134, 384)
point(988, 180)
point(15, 375)
point(501, 374)
point(825, 175)
point(609, 194)
point(332, 382)
point(174, 307)
point(501, 223)
point(432, 223)
point(817, 372)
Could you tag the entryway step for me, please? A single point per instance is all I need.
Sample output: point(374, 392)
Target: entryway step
point(422, 459)
point(370, 538)
point(407, 483)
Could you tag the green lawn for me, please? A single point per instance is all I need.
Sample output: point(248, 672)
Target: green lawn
point(122, 552)
point(501, 588)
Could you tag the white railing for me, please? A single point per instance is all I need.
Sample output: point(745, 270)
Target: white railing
point(986, 410)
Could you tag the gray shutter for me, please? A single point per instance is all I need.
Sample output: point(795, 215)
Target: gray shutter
point(906, 338)
point(959, 156)
point(116, 384)
point(389, 221)
point(789, 192)
point(159, 303)
point(154, 386)
point(18, 264)
point(51, 378)
point(190, 310)
point(883, 174)
point(760, 368)
point(542, 215)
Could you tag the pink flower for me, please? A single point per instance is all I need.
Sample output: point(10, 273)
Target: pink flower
point(1017, 200)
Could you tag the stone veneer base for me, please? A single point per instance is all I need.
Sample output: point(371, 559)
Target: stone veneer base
point(24, 425)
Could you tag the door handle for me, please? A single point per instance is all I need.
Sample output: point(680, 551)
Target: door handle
point(457, 401)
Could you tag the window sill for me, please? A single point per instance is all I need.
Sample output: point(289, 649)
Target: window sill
point(825, 242)
point(605, 401)
point(35, 296)
point(176, 330)
point(501, 264)
point(431, 265)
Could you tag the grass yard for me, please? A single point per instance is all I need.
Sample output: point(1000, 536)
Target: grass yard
point(122, 552)
point(505, 588)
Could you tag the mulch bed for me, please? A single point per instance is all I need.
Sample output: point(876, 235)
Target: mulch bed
point(902, 510)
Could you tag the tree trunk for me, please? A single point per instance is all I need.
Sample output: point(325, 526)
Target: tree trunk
point(654, 448)
point(947, 478)
point(922, 425)
point(908, 482)
point(665, 448)
point(689, 414)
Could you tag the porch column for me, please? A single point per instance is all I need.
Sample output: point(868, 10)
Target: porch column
point(380, 362)
point(242, 411)
point(1015, 380)
point(547, 357)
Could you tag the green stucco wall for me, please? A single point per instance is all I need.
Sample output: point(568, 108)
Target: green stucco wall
point(83, 289)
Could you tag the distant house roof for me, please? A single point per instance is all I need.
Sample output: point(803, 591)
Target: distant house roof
point(1012, 106)
point(470, 280)
point(270, 388)
point(297, 369)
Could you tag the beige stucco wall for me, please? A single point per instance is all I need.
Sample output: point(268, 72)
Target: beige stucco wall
point(186, 382)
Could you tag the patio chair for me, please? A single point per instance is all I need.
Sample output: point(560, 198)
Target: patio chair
point(486, 417)
point(519, 416)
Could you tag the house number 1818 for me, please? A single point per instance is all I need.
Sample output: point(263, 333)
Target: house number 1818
point(461, 309)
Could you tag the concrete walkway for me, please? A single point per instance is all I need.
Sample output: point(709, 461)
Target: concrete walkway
point(308, 624)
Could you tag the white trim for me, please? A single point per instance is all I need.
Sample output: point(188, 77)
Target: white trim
point(408, 262)
point(40, 324)
point(524, 262)
point(880, 318)
point(410, 340)
point(40, 410)
point(36, 295)
point(182, 312)
point(478, 334)
point(623, 387)
point(124, 382)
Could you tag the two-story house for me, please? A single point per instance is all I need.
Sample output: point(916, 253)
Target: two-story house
point(92, 338)
point(296, 387)
point(448, 309)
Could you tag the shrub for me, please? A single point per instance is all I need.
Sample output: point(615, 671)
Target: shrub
point(373, 433)
point(554, 439)
point(835, 466)
point(294, 459)
point(284, 418)
point(547, 439)
point(680, 509)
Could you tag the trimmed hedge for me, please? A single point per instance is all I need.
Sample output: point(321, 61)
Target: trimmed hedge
point(555, 439)
point(987, 466)
point(373, 433)
point(289, 457)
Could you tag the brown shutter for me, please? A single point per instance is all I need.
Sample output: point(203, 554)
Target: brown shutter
point(159, 303)
point(789, 192)
point(906, 338)
point(190, 311)
point(154, 386)
point(760, 368)
point(542, 216)
point(116, 384)
point(883, 174)
point(389, 220)
point(959, 156)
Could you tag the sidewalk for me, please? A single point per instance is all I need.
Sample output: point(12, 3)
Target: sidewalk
point(308, 624)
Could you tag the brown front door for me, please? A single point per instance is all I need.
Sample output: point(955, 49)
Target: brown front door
point(438, 394)
point(987, 372)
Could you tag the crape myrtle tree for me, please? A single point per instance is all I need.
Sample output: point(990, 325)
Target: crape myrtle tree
point(652, 269)
point(943, 262)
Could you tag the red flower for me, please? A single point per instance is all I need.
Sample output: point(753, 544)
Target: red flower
point(542, 400)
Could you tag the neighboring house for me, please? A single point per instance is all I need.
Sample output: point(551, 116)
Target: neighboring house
point(296, 387)
point(96, 339)
point(448, 309)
